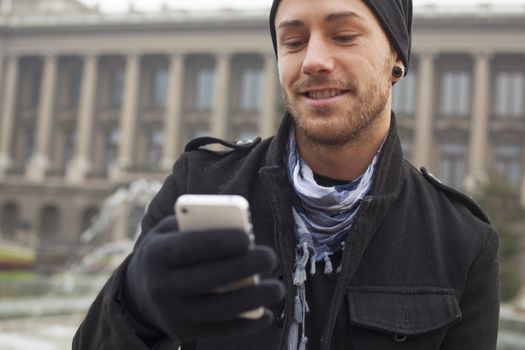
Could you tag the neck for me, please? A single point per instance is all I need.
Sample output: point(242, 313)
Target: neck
point(349, 160)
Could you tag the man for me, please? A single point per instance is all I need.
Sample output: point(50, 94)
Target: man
point(367, 252)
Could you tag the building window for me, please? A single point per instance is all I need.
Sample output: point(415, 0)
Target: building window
point(404, 96)
point(30, 142)
point(251, 90)
point(117, 87)
point(49, 222)
point(455, 94)
point(453, 164)
point(204, 90)
point(70, 143)
point(156, 140)
point(34, 98)
point(112, 141)
point(9, 220)
point(160, 88)
point(407, 144)
point(74, 89)
point(193, 131)
point(199, 132)
point(510, 93)
point(509, 163)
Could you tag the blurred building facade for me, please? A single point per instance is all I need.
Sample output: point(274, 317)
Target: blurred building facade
point(91, 101)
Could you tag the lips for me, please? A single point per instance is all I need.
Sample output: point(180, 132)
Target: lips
point(323, 94)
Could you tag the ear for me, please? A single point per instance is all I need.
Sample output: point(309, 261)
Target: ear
point(398, 63)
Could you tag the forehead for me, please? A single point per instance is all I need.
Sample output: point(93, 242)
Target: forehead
point(302, 12)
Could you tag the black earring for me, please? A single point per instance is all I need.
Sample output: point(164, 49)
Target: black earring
point(397, 72)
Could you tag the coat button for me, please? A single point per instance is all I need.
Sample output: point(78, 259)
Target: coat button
point(399, 338)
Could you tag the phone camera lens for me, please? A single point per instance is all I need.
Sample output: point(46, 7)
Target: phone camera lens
point(184, 211)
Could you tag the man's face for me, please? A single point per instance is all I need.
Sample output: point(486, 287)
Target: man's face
point(335, 65)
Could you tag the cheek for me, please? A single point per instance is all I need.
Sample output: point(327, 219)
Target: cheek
point(284, 77)
point(289, 70)
point(369, 69)
point(280, 71)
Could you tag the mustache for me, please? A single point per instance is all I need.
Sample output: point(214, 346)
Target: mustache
point(316, 81)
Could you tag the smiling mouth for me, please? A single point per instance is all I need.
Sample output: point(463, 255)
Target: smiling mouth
point(324, 94)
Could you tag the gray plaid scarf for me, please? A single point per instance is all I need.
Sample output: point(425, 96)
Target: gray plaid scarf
point(323, 217)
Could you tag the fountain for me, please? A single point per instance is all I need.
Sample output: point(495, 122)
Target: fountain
point(47, 317)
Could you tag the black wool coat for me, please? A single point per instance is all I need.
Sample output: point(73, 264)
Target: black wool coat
point(419, 269)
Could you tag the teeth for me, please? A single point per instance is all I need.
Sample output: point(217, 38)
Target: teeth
point(316, 95)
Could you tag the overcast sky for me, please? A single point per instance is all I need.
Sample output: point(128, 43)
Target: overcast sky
point(148, 5)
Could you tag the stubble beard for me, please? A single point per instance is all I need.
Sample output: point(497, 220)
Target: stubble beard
point(322, 127)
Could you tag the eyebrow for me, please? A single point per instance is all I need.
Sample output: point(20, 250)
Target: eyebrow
point(329, 18)
point(345, 14)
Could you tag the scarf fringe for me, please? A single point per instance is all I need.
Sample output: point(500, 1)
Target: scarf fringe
point(300, 309)
point(312, 266)
point(293, 338)
point(299, 276)
point(301, 305)
point(298, 312)
point(304, 343)
point(328, 269)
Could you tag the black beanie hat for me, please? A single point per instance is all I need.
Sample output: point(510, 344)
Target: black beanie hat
point(394, 15)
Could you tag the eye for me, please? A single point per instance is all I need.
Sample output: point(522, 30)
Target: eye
point(293, 44)
point(344, 38)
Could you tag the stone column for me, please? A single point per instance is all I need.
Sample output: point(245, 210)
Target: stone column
point(2, 57)
point(8, 114)
point(479, 122)
point(173, 116)
point(128, 117)
point(523, 182)
point(425, 110)
point(269, 112)
point(221, 93)
point(80, 165)
point(2, 88)
point(39, 163)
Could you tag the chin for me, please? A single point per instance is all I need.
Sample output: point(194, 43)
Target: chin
point(328, 132)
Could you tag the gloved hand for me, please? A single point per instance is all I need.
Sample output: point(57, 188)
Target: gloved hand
point(170, 279)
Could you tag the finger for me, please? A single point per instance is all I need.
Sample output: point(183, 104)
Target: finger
point(189, 248)
point(167, 225)
point(205, 277)
point(220, 307)
point(237, 327)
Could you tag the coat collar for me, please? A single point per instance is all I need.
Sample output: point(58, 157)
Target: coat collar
point(387, 177)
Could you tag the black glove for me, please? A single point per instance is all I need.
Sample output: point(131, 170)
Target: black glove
point(170, 278)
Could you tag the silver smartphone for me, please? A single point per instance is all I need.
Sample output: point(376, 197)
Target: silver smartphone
point(202, 212)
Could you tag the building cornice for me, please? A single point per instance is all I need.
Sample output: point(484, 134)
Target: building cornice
point(240, 31)
point(425, 16)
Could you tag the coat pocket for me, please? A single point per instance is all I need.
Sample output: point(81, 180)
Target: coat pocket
point(403, 312)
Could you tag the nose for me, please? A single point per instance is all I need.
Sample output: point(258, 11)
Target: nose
point(318, 59)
